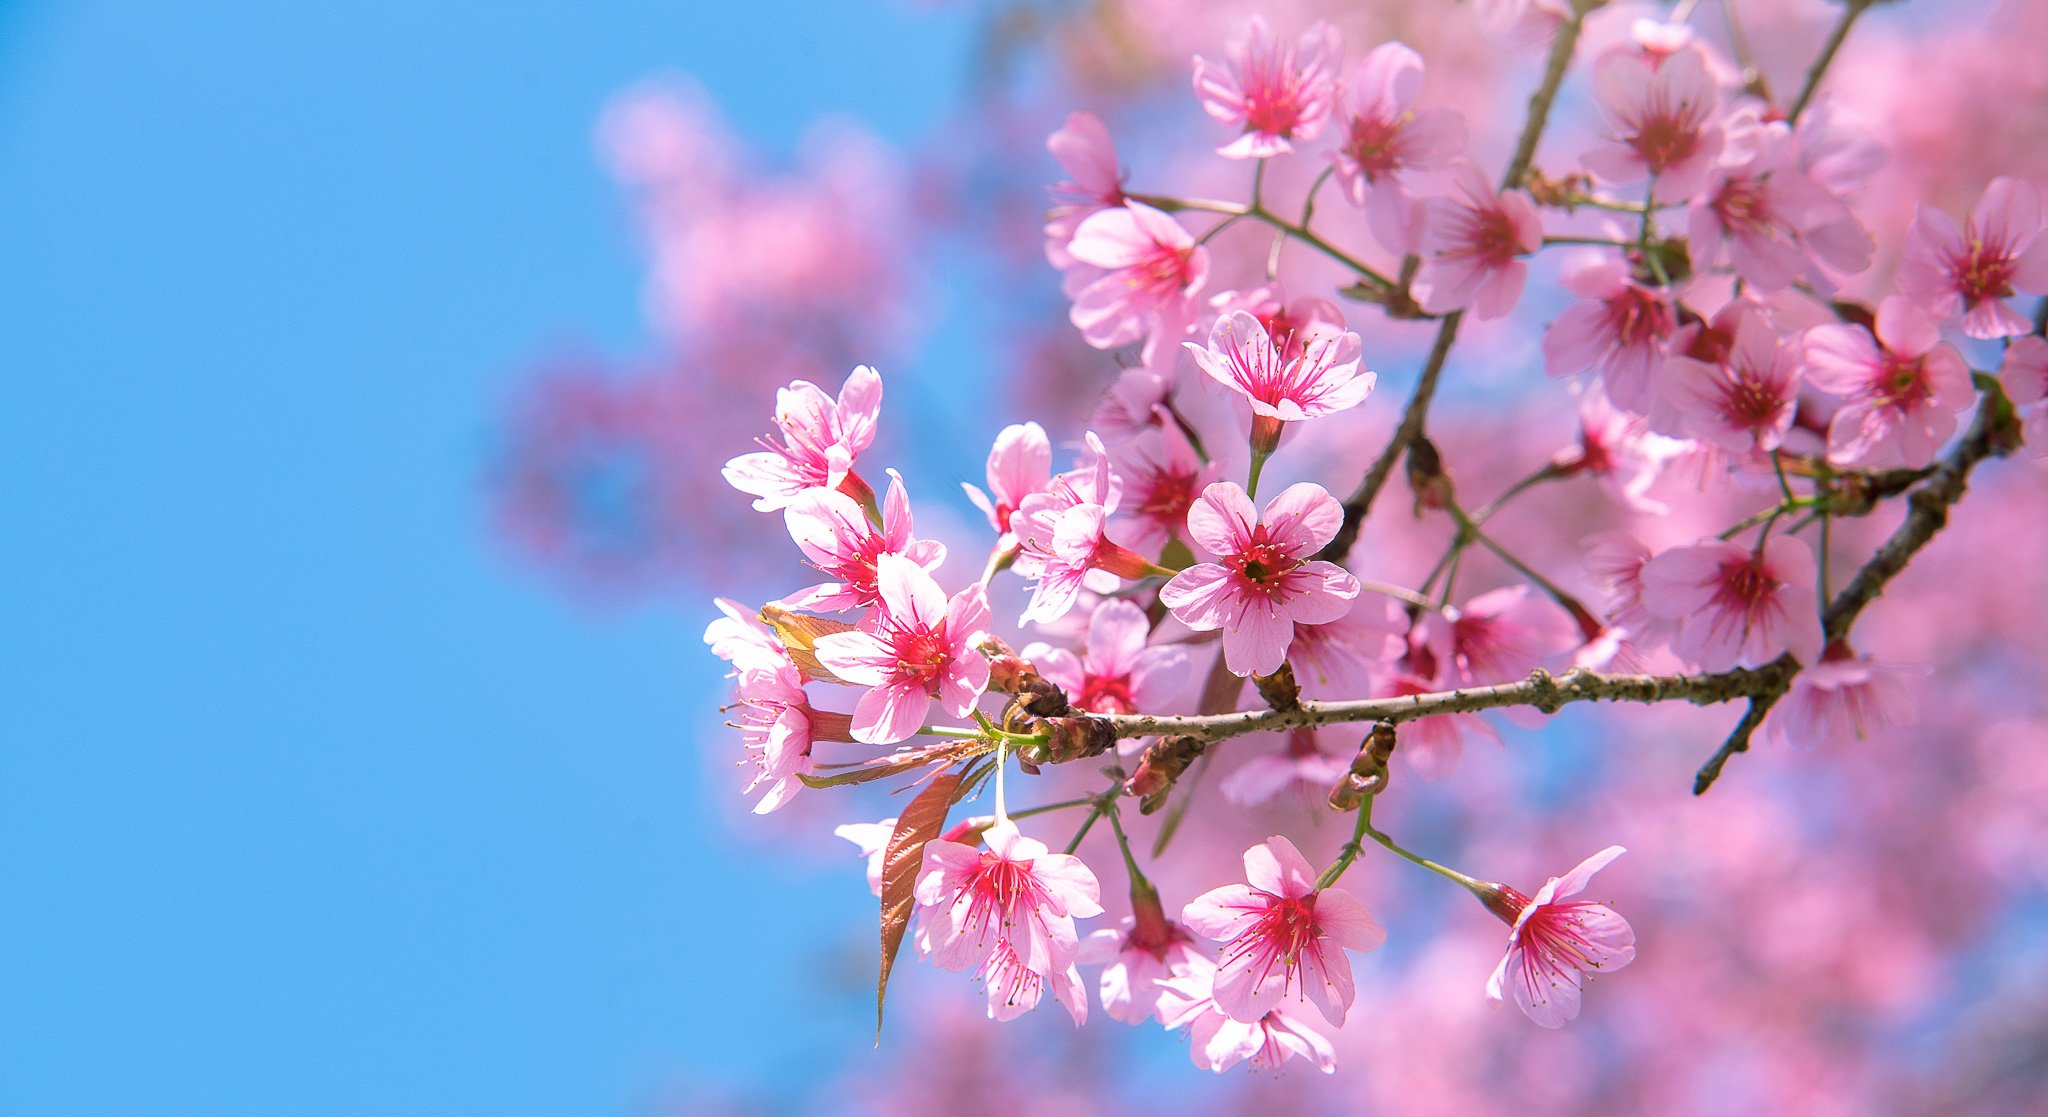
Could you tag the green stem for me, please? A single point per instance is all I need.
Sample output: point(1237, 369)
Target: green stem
point(1604, 242)
point(1850, 11)
point(1444, 871)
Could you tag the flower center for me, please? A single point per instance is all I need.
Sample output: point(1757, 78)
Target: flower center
point(1985, 273)
point(1107, 694)
point(1371, 145)
point(1665, 139)
point(1262, 566)
point(923, 656)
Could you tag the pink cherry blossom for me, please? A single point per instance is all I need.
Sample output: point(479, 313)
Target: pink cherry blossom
point(1330, 657)
point(1008, 910)
point(837, 538)
point(1433, 744)
point(2024, 373)
point(1094, 183)
point(915, 649)
point(1217, 1042)
point(1615, 560)
point(1302, 765)
point(1557, 943)
point(1972, 270)
point(1264, 583)
point(1385, 138)
point(1282, 936)
point(741, 639)
point(777, 723)
point(1274, 92)
point(1498, 636)
point(1618, 329)
point(1843, 698)
point(1063, 537)
point(1617, 447)
point(1142, 951)
point(872, 839)
point(1134, 404)
point(1734, 606)
point(1292, 324)
point(1661, 121)
point(1747, 400)
point(821, 437)
point(1117, 673)
point(1325, 379)
point(1473, 246)
point(1903, 388)
point(1018, 466)
point(1162, 476)
point(1136, 272)
point(1773, 222)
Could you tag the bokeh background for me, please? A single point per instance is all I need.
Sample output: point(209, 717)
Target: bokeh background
point(366, 372)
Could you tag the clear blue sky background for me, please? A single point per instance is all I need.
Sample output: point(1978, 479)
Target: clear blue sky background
point(310, 801)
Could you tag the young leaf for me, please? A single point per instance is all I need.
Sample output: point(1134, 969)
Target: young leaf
point(923, 820)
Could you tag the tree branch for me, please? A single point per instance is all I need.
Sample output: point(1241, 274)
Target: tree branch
point(1417, 413)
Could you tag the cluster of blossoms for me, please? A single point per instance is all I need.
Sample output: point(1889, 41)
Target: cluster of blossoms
point(1711, 235)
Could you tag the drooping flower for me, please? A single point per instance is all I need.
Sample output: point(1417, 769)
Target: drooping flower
point(1746, 401)
point(1009, 912)
point(1473, 247)
point(821, 437)
point(1732, 606)
point(1842, 698)
point(1660, 117)
point(1282, 936)
point(1972, 270)
point(1903, 388)
point(1275, 93)
point(1303, 763)
point(1117, 673)
point(1136, 272)
point(1263, 584)
point(1556, 943)
point(1217, 1042)
point(1433, 744)
point(1094, 183)
point(916, 648)
point(1142, 951)
point(837, 538)
point(1618, 329)
point(1019, 465)
point(777, 723)
point(1384, 138)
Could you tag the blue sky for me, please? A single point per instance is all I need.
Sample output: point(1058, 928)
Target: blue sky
point(311, 801)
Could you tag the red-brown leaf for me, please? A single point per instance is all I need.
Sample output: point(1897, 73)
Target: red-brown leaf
point(923, 820)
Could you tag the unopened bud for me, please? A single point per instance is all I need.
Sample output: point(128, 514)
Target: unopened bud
point(1279, 689)
point(1078, 738)
point(1159, 765)
point(1368, 774)
point(1427, 477)
point(1504, 902)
